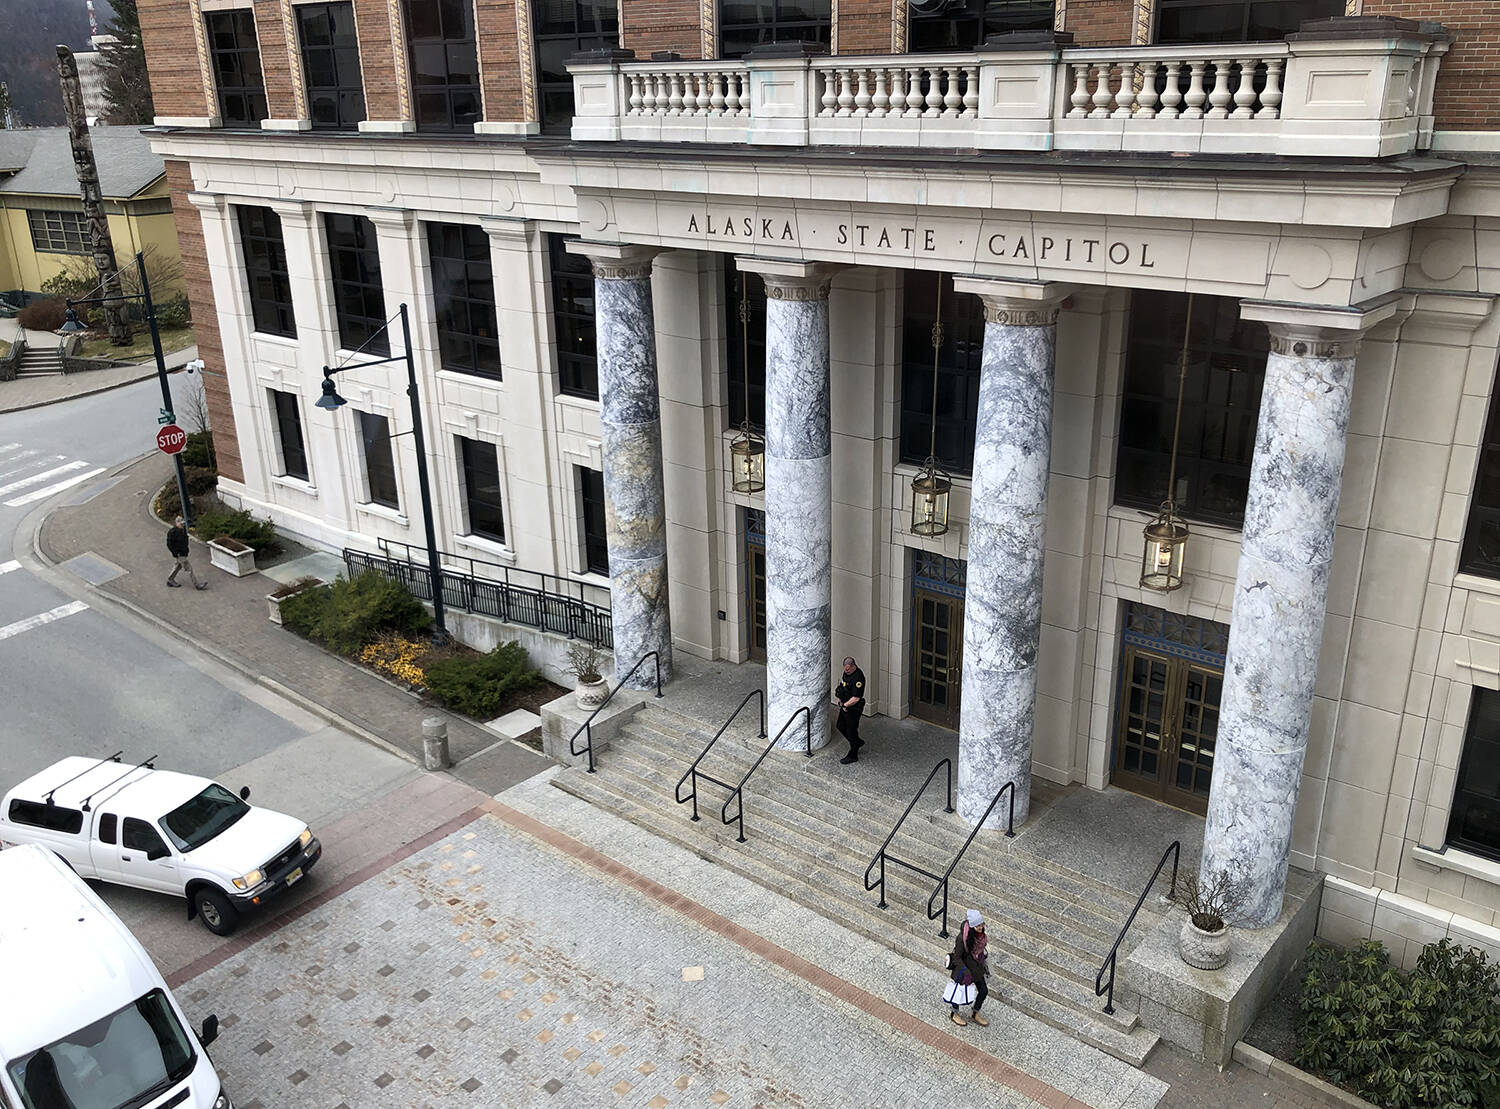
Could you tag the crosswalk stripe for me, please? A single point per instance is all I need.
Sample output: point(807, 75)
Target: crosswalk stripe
point(7, 567)
point(43, 476)
point(43, 494)
point(42, 618)
point(32, 458)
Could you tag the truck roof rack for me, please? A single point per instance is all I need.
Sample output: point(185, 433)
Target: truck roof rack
point(146, 765)
point(47, 797)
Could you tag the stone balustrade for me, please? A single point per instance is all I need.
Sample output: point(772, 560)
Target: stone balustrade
point(1349, 87)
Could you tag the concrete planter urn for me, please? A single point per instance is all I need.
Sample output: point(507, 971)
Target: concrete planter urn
point(232, 556)
point(1201, 948)
point(584, 663)
point(590, 695)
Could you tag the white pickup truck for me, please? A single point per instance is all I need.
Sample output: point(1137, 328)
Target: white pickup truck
point(160, 830)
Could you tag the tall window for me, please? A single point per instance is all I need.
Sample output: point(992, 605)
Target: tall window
point(1220, 406)
point(463, 293)
point(358, 298)
point(265, 270)
point(966, 24)
point(481, 463)
point(444, 64)
point(958, 364)
point(573, 314)
point(59, 232)
point(289, 434)
point(236, 60)
point(563, 28)
point(1182, 21)
point(734, 341)
point(380, 463)
point(746, 24)
point(330, 66)
point(1475, 821)
point(1481, 550)
point(591, 502)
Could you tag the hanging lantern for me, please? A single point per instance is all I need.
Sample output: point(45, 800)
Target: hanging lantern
point(747, 453)
point(930, 488)
point(1167, 535)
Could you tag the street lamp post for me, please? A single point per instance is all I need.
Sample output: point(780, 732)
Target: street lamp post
point(72, 324)
point(331, 400)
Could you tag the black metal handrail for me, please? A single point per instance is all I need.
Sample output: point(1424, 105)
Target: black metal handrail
point(694, 773)
point(738, 792)
point(1100, 986)
point(881, 856)
point(942, 883)
point(587, 731)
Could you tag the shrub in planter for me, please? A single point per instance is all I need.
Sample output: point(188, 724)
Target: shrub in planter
point(360, 609)
point(46, 314)
point(1428, 1038)
point(480, 685)
point(239, 524)
point(305, 611)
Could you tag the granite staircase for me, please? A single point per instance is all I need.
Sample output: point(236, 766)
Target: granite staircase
point(39, 362)
point(811, 834)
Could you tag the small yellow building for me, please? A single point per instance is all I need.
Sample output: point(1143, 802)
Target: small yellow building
point(41, 215)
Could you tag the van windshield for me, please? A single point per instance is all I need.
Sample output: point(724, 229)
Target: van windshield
point(195, 823)
point(121, 1061)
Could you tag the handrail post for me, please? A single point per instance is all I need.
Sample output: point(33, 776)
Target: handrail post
point(944, 932)
point(1176, 858)
point(588, 735)
point(656, 657)
point(694, 774)
point(808, 723)
point(950, 785)
point(761, 694)
point(882, 878)
point(1010, 829)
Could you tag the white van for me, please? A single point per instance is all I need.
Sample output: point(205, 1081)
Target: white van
point(164, 831)
point(87, 1021)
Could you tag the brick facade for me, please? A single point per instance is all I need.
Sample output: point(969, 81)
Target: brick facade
point(205, 320)
point(499, 60)
point(377, 65)
point(1468, 88)
point(1100, 22)
point(650, 25)
point(275, 63)
point(172, 58)
point(864, 26)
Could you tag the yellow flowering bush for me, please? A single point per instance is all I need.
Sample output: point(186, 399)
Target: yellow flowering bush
point(397, 656)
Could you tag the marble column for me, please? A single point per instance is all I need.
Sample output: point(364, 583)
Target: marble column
point(799, 498)
point(1280, 597)
point(1007, 534)
point(630, 432)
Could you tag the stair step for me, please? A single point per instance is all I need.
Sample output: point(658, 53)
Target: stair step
point(1023, 985)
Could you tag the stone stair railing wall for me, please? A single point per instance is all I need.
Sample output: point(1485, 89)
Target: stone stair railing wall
point(812, 835)
point(10, 362)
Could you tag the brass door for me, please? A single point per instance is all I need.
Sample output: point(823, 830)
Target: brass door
point(937, 663)
point(755, 558)
point(1168, 727)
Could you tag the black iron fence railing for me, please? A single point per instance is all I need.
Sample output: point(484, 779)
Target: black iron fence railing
point(1101, 987)
point(536, 600)
point(587, 728)
point(693, 773)
point(942, 883)
point(883, 856)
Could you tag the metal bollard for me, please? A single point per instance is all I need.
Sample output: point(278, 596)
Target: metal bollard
point(435, 744)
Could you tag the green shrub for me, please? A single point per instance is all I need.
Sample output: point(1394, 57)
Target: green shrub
point(46, 314)
point(480, 685)
point(1428, 1038)
point(199, 450)
point(201, 483)
point(173, 314)
point(360, 609)
point(237, 524)
point(304, 612)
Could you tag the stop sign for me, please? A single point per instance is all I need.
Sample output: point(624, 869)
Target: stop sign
point(171, 439)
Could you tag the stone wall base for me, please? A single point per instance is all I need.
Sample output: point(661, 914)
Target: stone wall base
point(1205, 1012)
point(562, 718)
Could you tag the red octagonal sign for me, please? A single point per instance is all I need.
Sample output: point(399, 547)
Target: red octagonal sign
point(171, 439)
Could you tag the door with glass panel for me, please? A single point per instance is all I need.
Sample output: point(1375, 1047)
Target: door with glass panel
point(755, 582)
point(937, 637)
point(1168, 728)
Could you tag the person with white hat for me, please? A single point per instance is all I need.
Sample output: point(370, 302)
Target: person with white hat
point(967, 968)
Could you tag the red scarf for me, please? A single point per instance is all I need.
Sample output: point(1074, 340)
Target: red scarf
point(974, 942)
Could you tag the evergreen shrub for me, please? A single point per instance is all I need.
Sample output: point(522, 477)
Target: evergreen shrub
point(238, 524)
point(481, 685)
point(357, 612)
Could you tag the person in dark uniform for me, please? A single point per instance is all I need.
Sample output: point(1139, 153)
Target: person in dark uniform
point(850, 695)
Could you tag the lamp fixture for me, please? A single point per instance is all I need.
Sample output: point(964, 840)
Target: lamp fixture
point(71, 323)
point(930, 488)
point(747, 452)
point(1167, 535)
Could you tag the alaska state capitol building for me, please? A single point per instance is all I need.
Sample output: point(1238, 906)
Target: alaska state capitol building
point(790, 330)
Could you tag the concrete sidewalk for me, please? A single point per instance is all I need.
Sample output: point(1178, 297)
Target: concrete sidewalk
point(37, 392)
point(229, 622)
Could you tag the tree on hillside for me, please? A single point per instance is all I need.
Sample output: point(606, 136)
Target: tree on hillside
point(127, 89)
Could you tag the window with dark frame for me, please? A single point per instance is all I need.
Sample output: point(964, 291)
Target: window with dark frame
point(444, 64)
point(38, 814)
point(59, 232)
point(463, 295)
point(595, 541)
point(358, 296)
point(1481, 550)
point(746, 24)
point(563, 28)
point(266, 270)
point(1189, 21)
point(235, 53)
point(1474, 822)
point(481, 474)
point(573, 319)
point(734, 345)
point(380, 462)
point(959, 360)
point(330, 66)
point(289, 434)
point(1220, 406)
point(107, 827)
point(966, 24)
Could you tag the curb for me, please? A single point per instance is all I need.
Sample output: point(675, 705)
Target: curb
point(1253, 1058)
point(82, 393)
point(302, 701)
